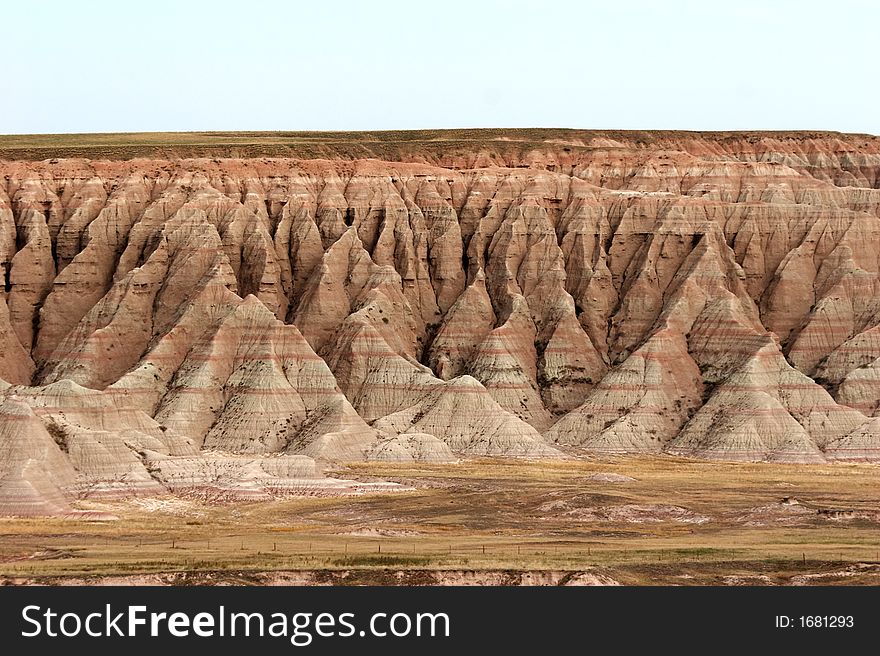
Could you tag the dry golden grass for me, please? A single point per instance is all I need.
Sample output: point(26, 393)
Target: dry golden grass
point(388, 145)
point(496, 515)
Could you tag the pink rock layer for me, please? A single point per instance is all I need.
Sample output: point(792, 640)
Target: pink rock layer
point(707, 295)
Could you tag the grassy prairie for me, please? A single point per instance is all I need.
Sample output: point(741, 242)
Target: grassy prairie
point(680, 521)
point(405, 145)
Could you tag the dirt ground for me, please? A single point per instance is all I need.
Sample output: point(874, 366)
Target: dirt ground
point(603, 521)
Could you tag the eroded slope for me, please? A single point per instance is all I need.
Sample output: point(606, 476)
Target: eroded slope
point(704, 296)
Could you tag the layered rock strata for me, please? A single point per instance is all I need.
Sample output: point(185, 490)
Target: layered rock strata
point(697, 295)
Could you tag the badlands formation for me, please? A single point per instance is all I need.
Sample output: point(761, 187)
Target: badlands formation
point(231, 324)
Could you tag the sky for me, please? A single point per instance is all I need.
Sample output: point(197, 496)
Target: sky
point(96, 66)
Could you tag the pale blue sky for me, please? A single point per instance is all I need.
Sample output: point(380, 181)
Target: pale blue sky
point(96, 66)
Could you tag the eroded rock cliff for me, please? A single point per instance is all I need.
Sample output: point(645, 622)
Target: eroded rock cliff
point(706, 295)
